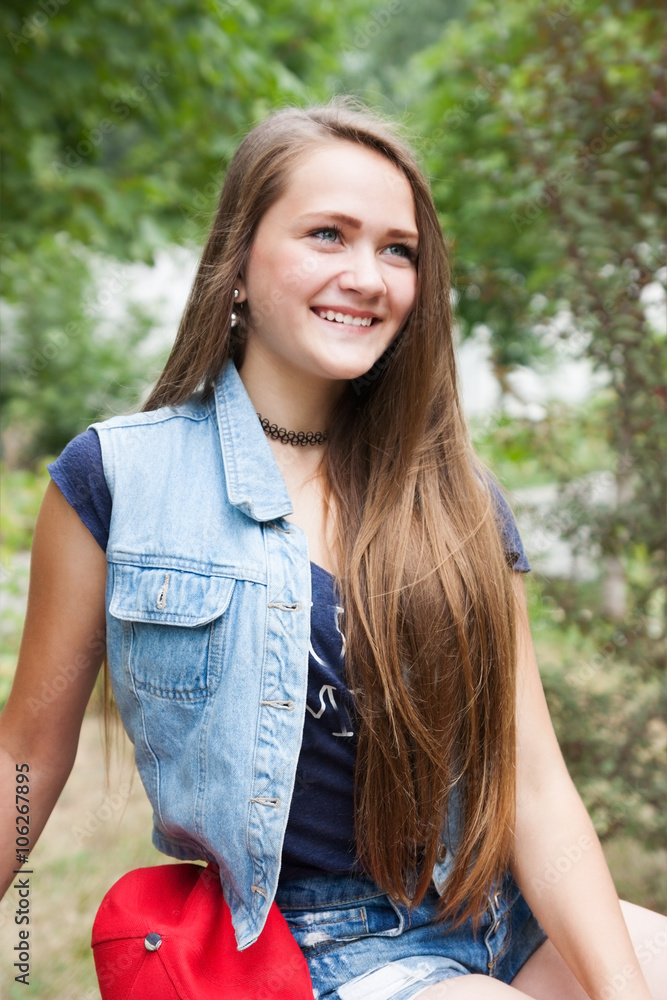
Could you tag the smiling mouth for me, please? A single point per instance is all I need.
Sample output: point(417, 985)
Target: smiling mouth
point(345, 319)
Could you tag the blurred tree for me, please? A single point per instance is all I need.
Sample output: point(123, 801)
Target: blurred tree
point(381, 43)
point(117, 118)
point(543, 129)
point(117, 126)
point(63, 360)
point(542, 126)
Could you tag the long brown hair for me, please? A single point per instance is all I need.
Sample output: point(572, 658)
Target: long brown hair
point(429, 613)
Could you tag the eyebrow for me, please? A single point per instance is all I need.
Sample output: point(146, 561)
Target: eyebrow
point(349, 220)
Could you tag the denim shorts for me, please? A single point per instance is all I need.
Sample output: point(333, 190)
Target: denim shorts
point(361, 945)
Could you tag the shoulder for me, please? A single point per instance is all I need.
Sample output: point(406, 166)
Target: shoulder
point(514, 550)
point(80, 458)
point(156, 448)
point(134, 442)
point(78, 473)
point(193, 410)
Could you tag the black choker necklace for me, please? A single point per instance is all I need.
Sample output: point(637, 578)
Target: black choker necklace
point(291, 437)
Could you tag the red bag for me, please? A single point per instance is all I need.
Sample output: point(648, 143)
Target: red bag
point(165, 933)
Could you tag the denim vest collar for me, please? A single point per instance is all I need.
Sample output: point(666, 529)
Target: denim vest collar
point(254, 482)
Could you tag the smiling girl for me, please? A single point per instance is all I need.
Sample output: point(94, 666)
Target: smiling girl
point(315, 615)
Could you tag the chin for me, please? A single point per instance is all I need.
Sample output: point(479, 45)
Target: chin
point(343, 370)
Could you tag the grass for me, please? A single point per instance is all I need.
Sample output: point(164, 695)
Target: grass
point(72, 872)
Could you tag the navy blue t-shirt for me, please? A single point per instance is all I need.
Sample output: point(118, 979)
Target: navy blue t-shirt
point(320, 830)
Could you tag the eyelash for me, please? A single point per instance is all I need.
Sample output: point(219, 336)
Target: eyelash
point(410, 253)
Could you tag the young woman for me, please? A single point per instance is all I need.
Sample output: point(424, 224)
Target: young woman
point(315, 618)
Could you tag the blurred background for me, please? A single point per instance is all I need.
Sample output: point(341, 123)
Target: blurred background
point(542, 128)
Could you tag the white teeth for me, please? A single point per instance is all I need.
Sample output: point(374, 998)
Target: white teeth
point(345, 318)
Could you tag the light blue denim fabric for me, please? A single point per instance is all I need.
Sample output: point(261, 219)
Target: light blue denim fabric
point(361, 945)
point(208, 629)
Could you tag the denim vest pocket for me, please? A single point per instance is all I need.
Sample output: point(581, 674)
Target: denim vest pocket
point(173, 628)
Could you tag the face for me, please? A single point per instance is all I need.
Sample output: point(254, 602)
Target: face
point(331, 275)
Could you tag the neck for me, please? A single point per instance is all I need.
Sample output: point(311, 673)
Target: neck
point(287, 397)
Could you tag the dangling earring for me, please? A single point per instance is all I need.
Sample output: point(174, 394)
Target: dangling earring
point(235, 318)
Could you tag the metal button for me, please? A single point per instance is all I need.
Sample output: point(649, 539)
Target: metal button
point(152, 942)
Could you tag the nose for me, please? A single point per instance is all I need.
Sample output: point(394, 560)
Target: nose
point(363, 273)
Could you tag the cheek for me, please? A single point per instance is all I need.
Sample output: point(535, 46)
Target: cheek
point(292, 269)
point(258, 271)
point(304, 271)
point(405, 294)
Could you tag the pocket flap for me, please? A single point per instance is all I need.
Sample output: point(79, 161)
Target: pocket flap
point(168, 596)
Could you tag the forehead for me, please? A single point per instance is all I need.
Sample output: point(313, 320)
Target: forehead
point(348, 177)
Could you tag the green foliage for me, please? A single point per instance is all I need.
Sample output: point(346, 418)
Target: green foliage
point(385, 37)
point(144, 106)
point(639, 874)
point(118, 123)
point(604, 679)
point(21, 493)
point(542, 139)
point(609, 717)
point(542, 128)
point(62, 366)
point(566, 443)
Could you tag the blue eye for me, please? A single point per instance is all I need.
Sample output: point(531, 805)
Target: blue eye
point(331, 234)
point(406, 251)
point(331, 230)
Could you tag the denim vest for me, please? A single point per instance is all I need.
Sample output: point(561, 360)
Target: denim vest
point(208, 629)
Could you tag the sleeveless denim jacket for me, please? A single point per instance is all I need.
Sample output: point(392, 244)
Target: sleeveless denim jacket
point(208, 629)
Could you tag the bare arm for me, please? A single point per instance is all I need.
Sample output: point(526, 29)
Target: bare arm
point(558, 862)
point(61, 652)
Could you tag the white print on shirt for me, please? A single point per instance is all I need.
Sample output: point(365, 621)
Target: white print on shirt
point(339, 611)
point(332, 701)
